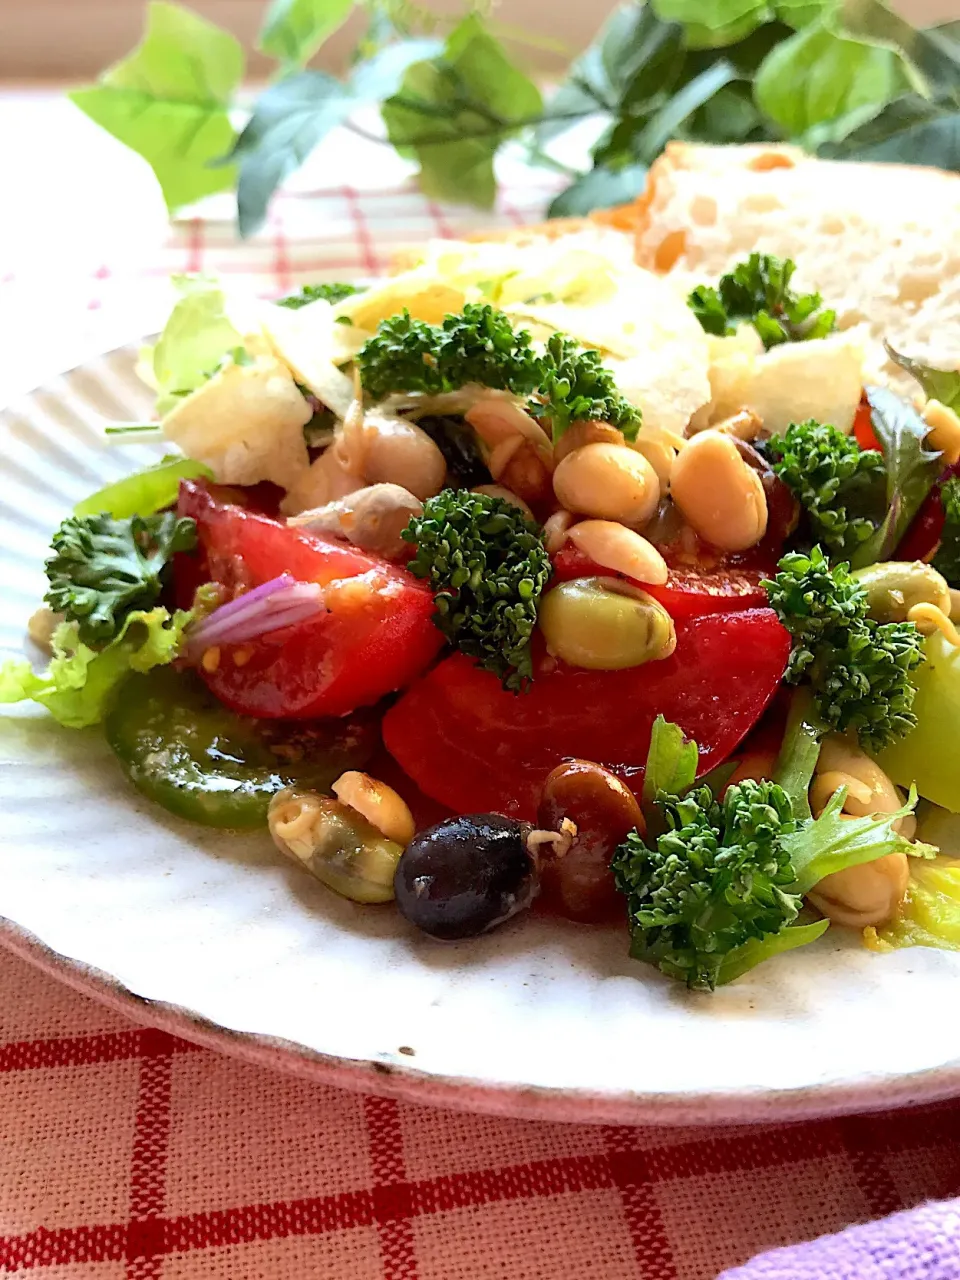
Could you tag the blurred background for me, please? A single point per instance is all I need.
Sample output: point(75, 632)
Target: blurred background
point(69, 39)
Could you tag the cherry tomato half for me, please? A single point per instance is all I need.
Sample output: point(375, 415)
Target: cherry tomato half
point(471, 745)
point(922, 538)
point(863, 431)
point(373, 635)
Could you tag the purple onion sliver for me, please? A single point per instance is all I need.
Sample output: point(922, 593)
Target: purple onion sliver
point(262, 627)
point(287, 602)
point(249, 599)
point(215, 626)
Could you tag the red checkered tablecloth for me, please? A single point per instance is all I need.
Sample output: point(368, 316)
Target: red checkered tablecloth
point(127, 1153)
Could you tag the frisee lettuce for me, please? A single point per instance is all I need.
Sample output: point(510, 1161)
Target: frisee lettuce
point(80, 682)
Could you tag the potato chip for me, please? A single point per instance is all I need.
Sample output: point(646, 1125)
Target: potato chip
point(305, 341)
point(246, 423)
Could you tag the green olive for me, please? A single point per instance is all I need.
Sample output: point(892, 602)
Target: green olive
point(893, 587)
point(336, 844)
point(604, 625)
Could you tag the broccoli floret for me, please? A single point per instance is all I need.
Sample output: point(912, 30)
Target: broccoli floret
point(479, 345)
point(103, 569)
point(721, 888)
point(840, 486)
point(487, 566)
point(716, 878)
point(858, 669)
point(576, 387)
point(947, 559)
point(758, 291)
point(332, 292)
point(565, 384)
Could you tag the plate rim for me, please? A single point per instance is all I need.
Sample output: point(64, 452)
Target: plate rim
point(463, 1093)
point(507, 1100)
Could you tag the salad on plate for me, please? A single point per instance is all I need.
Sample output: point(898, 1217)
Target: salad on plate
point(526, 580)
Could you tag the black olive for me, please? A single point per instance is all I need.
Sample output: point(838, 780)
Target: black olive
point(460, 448)
point(466, 875)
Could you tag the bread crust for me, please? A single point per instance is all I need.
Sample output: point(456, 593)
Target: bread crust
point(621, 218)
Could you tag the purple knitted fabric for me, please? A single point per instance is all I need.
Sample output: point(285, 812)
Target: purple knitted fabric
point(923, 1244)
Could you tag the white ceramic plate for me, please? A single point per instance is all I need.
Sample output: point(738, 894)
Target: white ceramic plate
point(221, 936)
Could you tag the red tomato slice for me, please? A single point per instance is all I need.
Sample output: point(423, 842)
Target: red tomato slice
point(923, 537)
point(687, 593)
point(373, 636)
point(863, 431)
point(473, 747)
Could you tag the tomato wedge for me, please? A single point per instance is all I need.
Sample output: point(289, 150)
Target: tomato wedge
point(473, 747)
point(373, 635)
point(923, 537)
point(687, 593)
point(863, 431)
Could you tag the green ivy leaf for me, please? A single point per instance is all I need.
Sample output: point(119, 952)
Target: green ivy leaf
point(453, 112)
point(934, 51)
point(292, 116)
point(169, 101)
point(818, 75)
point(712, 24)
point(667, 122)
point(800, 13)
point(642, 56)
point(294, 30)
point(599, 188)
point(910, 130)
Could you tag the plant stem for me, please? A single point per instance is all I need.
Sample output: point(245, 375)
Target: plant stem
point(496, 129)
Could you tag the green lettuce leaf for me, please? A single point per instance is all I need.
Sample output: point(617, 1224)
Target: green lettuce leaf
point(79, 683)
point(294, 30)
point(836, 841)
point(145, 493)
point(930, 913)
point(194, 340)
point(671, 761)
point(938, 384)
point(169, 102)
point(818, 76)
point(911, 471)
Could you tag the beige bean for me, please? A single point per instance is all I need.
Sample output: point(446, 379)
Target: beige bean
point(372, 518)
point(581, 433)
point(609, 482)
point(499, 491)
point(43, 623)
point(616, 547)
point(868, 894)
point(659, 454)
point(944, 430)
point(869, 789)
point(718, 494)
point(556, 528)
point(382, 807)
point(745, 425)
point(865, 895)
point(399, 452)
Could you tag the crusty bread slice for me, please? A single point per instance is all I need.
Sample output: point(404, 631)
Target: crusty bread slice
point(880, 242)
